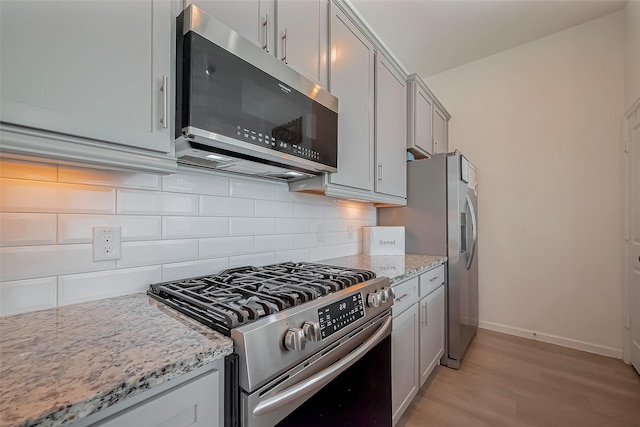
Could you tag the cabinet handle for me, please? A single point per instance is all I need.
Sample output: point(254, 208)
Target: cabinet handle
point(164, 89)
point(380, 172)
point(284, 44)
point(433, 279)
point(425, 320)
point(265, 24)
point(402, 297)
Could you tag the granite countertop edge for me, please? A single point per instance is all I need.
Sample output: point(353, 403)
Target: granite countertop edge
point(127, 389)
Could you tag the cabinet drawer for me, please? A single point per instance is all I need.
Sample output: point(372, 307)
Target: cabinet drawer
point(430, 280)
point(406, 294)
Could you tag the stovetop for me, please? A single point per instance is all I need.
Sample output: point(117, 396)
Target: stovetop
point(241, 295)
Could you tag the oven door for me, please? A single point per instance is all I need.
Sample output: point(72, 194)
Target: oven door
point(348, 383)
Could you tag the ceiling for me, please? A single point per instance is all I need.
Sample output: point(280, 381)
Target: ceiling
point(431, 36)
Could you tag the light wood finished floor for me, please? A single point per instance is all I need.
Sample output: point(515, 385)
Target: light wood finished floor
point(511, 381)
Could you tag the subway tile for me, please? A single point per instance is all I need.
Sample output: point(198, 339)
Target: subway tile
point(38, 196)
point(295, 255)
point(254, 259)
point(79, 228)
point(273, 243)
point(28, 170)
point(226, 206)
point(29, 262)
point(183, 270)
point(250, 189)
point(286, 225)
point(323, 252)
point(251, 226)
point(137, 254)
point(218, 247)
point(155, 203)
point(21, 296)
point(351, 210)
point(77, 288)
point(307, 240)
point(109, 178)
point(274, 209)
point(24, 229)
point(196, 183)
point(347, 249)
point(329, 225)
point(308, 211)
point(185, 227)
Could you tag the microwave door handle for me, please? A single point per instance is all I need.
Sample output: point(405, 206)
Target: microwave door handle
point(474, 232)
point(323, 377)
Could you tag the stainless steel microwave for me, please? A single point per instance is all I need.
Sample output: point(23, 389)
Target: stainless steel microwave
point(241, 110)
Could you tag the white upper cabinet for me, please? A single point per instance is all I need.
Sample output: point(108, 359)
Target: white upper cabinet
point(302, 37)
point(428, 121)
point(99, 70)
point(391, 119)
point(352, 82)
point(295, 31)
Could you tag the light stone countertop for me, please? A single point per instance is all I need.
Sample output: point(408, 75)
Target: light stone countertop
point(63, 364)
point(395, 267)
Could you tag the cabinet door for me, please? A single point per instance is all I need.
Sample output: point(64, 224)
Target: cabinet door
point(252, 19)
point(423, 121)
point(404, 361)
point(391, 125)
point(439, 123)
point(351, 80)
point(302, 37)
point(431, 332)
point(195, 404)
point(91, 69)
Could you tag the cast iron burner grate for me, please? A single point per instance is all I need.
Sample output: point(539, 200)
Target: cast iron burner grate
point(240, 295)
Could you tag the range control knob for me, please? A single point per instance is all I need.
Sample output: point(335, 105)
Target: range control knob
point(374, 300)
point(390, 294)
point(312, 331)
point(294, 339)
point(384, 296)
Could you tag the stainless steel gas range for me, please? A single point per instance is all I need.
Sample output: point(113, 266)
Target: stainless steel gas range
point(312, 342)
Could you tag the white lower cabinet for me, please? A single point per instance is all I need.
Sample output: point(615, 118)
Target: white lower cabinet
point(431, 332)
point(417, 339)
point(193, 399)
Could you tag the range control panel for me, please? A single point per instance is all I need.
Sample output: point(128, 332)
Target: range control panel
point(340, 314)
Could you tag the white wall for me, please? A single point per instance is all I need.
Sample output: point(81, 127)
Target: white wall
point(543, 124)
point(632, 71)
point(173, 227)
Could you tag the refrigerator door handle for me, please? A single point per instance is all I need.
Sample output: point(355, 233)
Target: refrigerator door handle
point(474, 232)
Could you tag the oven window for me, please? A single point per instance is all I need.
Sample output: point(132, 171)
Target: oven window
point(360, 396)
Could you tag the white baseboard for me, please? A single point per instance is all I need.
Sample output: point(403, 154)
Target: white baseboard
point(553, 339)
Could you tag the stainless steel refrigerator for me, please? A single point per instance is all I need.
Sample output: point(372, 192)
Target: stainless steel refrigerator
point(441, 219)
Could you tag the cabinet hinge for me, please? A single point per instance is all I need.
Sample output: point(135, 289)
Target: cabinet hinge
point(627, 324)
point(626, 236)
point(625, 146)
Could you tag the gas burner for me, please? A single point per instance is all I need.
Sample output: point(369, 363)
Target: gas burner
point(238, 296)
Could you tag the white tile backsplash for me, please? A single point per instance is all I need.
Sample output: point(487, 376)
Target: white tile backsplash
point(26, 170)
point(24, 229)
point(183, 225)
point(27, 262)
point(27, 295)
point(190, 227)
point(155, 203)
point(251, 226)
point(135, 254)
point(77, 288)
point(18, 195)
point(226, 206)
point(79, 228)
point(250, 189)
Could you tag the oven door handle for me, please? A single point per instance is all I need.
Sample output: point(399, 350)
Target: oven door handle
point(323, 377)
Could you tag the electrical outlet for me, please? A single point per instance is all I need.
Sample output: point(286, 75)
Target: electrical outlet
point(106, 243)
point(320, 232)
point(350, 228)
